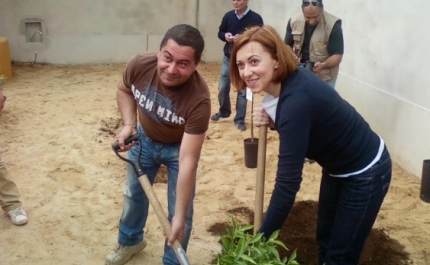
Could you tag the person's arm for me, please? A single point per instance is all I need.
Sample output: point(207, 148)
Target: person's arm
point(288, 39)
point(223, 33)
point(331, 62)
point(260, 21)
point(2, 100)
point(293, 127)
point(335, 49)
point(189, 154)
point(128, 110)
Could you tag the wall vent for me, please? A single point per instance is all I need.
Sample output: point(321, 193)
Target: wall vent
point(33, 32)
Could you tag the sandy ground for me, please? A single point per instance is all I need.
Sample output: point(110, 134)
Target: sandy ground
point(56, 132)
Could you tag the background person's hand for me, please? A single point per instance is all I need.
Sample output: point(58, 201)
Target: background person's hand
point(318, 66)
point(260, 117)
point(229, 37)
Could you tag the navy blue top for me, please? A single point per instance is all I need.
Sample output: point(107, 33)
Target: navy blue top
point(313, 121)
point(230, 23)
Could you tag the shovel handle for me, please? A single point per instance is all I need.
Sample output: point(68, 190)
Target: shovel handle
point(261, 169)
point(158, 209)
point(133, 138)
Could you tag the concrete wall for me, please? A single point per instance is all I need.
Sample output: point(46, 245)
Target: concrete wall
point(82, 31)
point(383, 73)
point(103, 31)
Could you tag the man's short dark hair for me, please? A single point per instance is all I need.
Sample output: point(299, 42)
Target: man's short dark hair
point(186, 35)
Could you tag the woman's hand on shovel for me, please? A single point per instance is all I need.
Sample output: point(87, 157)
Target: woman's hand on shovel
point(260, 117)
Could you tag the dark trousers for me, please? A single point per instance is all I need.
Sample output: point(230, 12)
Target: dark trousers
point(347, 211)
point(224, 94)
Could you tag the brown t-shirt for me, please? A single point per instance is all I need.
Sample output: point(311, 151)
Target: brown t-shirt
point(165, 113)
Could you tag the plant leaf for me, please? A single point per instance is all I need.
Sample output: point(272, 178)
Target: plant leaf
point(249, 259)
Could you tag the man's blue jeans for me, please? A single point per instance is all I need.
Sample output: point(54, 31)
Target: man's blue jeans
point(347, 211)
point(224, 94)
point(135, 208)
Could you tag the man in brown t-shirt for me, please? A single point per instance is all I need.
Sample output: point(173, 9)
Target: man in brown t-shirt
point(166, 102)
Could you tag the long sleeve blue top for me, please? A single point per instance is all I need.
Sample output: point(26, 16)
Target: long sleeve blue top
point(313, 121)
point(230, 23)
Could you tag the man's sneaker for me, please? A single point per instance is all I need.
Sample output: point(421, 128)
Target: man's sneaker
point(121, 254)
point(218, 116)
point(241, 126)
point(18, 216)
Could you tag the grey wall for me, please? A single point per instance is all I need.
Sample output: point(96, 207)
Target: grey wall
point(105, 31)
point(98, 31)
point(383, 73)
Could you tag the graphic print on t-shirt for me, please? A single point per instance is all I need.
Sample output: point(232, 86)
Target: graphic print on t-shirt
point(155, 104)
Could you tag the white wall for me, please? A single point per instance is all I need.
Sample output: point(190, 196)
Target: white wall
point(209, 18)
point(383, 73)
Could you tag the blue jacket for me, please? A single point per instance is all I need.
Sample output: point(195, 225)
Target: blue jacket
point(230, 23)
point(313, 121)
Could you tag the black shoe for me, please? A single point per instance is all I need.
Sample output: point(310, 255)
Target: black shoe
point(218, 116)
point(241, 126)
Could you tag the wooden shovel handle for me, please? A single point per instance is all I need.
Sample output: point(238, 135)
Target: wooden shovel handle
point(261, 169)
point(165, 224)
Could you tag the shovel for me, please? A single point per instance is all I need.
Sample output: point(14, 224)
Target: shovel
point(261, 169)
point(152, 197)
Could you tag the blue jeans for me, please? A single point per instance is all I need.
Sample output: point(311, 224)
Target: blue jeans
point(135, 208)
point(224, 94)
point(347, 211)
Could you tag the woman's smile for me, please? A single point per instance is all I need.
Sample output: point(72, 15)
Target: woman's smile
point(256, 66)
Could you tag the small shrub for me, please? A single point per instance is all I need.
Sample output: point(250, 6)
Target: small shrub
point(239, 247)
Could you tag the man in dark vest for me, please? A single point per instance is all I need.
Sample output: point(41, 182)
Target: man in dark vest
point(315, 35)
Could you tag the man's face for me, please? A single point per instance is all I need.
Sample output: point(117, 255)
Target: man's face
point(239, 5)
point(312, 14)
point(175, 63)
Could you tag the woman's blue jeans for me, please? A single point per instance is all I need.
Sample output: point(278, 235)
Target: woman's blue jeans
point(224, 95)
point(347, 211)
point(135, 208)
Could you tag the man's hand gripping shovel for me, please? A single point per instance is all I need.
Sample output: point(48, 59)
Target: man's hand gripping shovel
point(153, 200)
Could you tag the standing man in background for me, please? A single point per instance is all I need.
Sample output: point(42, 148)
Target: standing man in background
point(9, 195)
point(317, 36)
point(232, 25)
